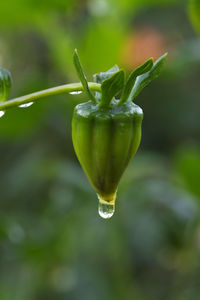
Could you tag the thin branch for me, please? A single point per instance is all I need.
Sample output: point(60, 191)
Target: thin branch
point(66, 88)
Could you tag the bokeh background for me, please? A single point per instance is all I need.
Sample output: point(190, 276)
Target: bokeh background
point(53, 244)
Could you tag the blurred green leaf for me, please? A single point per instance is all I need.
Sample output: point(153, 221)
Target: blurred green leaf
point(187, 162)
point(101, 45)
point(31, 12)
point(194, 13)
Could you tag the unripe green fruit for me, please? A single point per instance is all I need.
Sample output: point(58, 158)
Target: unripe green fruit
point(105, 140)
point(106, 133)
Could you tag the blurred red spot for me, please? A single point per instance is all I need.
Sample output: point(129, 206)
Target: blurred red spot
point(141, 45)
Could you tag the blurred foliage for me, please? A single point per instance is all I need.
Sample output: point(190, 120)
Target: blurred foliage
point(53, 244)
point(194, 13)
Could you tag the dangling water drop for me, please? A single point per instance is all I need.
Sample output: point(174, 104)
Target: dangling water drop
point(26, 105)
point(106, 209)
point(2, 113)
point(75, 93)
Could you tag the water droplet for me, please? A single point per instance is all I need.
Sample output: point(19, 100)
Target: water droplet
point(26, 105)
point(2, 113)
point(106, 209)
point(75, 93)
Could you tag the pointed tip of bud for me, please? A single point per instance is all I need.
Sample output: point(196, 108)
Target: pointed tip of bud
point(107, 198)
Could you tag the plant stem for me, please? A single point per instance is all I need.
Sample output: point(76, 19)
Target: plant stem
point(66, 88)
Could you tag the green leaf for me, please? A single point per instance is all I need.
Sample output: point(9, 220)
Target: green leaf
point(187, 163)
point(100, 77)
point(194, 13)
point(5, 84)
point(82, 76)
point(145, 67)
point(110, 87)
point(144, 79)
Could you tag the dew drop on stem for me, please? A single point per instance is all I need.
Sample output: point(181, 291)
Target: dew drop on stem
point(75, 93)
point(26, 105)
point(2, 113)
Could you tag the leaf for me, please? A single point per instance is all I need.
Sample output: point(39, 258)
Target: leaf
point(5, 84)
point(82, 76)
point(194, 13)
point(187, 163)
point(110, 87)
point(145, 67)
point(144, 79)
point(100, 77)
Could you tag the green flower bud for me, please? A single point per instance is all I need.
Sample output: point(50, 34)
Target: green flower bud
point(106, 133)
point(105, 140)
point(5, 84)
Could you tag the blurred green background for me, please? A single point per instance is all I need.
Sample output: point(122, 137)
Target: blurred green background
point(53, 244)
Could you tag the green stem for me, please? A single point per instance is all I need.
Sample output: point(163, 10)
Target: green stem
point(66, 88)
